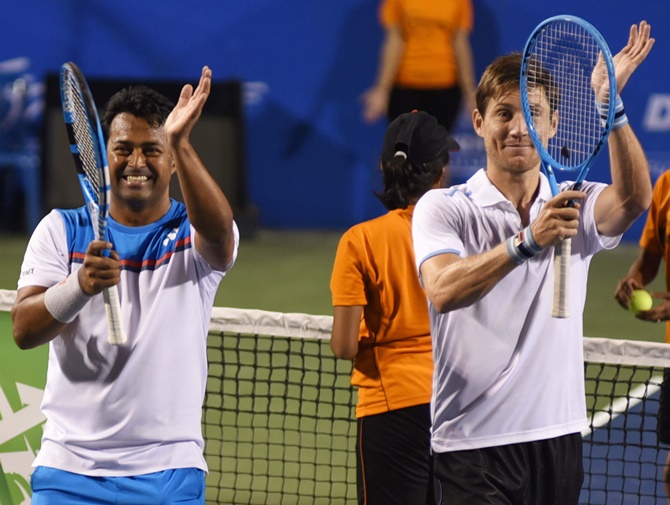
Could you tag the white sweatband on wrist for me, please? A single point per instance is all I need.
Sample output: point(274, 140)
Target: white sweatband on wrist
point(65, 299)
point(620, 118)
point(522, 246)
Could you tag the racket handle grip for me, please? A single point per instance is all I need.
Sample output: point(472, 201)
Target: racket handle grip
point(115, 333)
point(561, 308)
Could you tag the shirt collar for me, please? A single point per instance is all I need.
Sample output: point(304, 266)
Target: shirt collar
point(487, 195)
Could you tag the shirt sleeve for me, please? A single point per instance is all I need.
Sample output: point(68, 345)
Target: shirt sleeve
point(347, 282)
point(209, 277)
point(653, 234)
point(435, 226)
point(593, 241)
point(466, 20)
point(389, 13)
point(46, 261)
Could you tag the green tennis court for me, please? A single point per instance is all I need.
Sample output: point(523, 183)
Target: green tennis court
point(289, 271)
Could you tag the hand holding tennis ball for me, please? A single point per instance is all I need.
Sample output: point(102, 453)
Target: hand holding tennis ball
point(640, 301)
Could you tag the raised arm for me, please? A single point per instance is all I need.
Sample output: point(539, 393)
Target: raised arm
point(466, 70)
point(375, 100)
point(452, 282)
point(207, 206)
point(629, 195)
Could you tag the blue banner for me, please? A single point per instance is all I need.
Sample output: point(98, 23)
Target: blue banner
point(312, 162)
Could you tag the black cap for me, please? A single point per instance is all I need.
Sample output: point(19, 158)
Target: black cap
point(419, 136)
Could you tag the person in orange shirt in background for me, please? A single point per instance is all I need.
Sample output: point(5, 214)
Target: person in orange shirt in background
point(425, 62)
point(654, 249)
point(381, 320)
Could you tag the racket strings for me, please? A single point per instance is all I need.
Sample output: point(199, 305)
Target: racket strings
point(84, 138)
point(571, 56)
point(86, 145)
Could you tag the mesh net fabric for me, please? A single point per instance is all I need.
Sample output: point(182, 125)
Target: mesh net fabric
point(278, 415)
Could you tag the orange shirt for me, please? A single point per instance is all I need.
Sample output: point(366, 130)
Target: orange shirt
point(374, 267)
point(428, 28)
point(656, 234)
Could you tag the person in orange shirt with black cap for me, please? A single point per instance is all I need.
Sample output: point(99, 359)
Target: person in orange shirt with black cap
point(381, 320)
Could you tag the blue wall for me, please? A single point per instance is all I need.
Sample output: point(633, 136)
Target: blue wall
point(311, 160)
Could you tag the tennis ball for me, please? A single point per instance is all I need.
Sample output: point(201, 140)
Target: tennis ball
point(640, 301)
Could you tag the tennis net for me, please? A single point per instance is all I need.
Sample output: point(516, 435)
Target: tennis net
point(278, 416)
point(278, 413)
point(311, 459)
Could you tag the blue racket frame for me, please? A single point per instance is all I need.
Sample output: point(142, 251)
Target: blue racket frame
point(550, 164)
point(97, 201)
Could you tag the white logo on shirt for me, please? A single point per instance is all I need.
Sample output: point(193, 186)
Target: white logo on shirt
point(171, 236)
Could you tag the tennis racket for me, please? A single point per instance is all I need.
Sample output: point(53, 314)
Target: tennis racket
point(567, 66)
point(90, 158)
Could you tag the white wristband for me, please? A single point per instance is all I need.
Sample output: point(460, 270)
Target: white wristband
point(66, 299)
point(620, 118)
point(522, 246)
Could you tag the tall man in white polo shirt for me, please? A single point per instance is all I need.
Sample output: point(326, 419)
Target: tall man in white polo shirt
point(508, 389)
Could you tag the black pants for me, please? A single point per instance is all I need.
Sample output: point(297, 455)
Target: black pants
point(546, 472)
point(393, 455)
point(663, 420)
point(444, 104)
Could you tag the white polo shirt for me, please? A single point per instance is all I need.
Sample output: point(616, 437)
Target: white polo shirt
point(505, 370)
point(135, 408)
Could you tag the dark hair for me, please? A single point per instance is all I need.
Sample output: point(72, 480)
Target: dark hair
point(140, 101)
point(405, 181)
point(504, 75)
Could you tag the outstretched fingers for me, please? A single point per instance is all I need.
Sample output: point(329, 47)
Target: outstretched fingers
point(640, 42)
point(189, 107)
point(197, 98)
point(205, 84)
point(634, 53)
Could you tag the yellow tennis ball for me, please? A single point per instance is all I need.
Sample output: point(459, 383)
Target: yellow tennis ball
point(640, 301)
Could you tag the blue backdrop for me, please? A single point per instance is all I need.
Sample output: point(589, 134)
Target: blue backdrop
point(312, 162)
